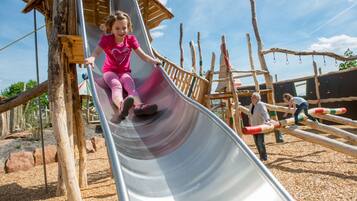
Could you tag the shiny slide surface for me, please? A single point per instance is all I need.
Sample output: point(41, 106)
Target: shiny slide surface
point(184, 152)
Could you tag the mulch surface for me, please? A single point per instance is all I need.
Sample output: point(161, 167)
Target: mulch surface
point(307, 171)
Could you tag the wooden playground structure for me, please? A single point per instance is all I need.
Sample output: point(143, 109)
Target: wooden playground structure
point(66, 51)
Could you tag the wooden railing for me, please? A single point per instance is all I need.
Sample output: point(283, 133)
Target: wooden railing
point(189, 83)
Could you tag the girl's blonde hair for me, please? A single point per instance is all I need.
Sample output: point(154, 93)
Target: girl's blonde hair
point(287, 96)
point(118, 15)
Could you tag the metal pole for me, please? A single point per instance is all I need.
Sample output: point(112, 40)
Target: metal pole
point(39, 102)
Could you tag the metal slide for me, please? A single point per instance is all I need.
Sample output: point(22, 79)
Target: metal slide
point(184, 152)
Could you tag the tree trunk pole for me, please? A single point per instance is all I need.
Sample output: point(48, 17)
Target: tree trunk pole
point(181, 47)
point(317, 84)
point(252, 63)
point(193, 56)
point(78, 127)
point(57, 100)
point(79, 130)
point(200, 52)
point(268, 79)
point(267, 76)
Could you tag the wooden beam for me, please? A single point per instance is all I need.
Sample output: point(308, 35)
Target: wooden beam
point(337, 119)
point(33, 4)
point(309, 53)
point(322, 140)
point(24, 97)
point(332, 131)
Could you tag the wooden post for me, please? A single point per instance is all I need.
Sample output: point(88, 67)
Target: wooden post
point(200, 52)
point(68, 101)
point(210, 78)
point(78, 127)
point(193, 56)
point(57, 100)
point(235, 113)
point(268, 78)
point(181, 47)
point(317, 84)
point(252, 63)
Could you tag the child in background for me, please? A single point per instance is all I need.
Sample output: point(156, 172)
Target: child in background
point(299, 104)
point(117, 45)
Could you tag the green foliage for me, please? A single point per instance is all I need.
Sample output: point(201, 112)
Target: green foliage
point(348, 64)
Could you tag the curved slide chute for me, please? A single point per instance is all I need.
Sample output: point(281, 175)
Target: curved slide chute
point(184, 152)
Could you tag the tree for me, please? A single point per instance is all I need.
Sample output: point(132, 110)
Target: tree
point(348, 64)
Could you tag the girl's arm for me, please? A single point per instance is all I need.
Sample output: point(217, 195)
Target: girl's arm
point(290, 104)
point(90, 60)
point(146, 57)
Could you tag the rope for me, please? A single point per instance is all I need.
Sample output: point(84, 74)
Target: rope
point(13, 42)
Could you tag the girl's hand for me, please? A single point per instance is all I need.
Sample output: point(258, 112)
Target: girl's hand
point(156, 61)
point(90, 61)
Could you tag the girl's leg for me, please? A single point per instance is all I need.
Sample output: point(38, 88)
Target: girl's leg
point(129, 86)
point(297, 112)
point(140, 108)
point(112, 80)
point(307, 113)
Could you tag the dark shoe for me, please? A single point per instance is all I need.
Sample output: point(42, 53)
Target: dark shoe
point(279, 141)
point(298, 124)
point(264, 158)
point(126, 105)
point(145, 109)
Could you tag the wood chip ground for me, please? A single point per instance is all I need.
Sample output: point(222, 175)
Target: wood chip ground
point(308, 172)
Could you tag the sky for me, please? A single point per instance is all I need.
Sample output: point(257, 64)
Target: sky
point(321, 25)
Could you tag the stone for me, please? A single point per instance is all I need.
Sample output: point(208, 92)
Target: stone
point(98, 142)
point(89, 146)
point(23, 134)
point(50, 155)
point(19, 161)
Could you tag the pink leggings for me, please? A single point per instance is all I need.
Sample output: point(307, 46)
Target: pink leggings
point(116, 82)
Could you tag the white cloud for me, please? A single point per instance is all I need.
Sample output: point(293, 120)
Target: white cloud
point(157, 34)
point(160, 27)
point(163, 2)
point(338, 43)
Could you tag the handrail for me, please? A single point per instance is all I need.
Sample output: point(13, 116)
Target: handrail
point(117, 171)
point(189, 83)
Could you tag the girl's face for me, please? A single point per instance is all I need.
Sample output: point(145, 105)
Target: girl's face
point(120, 28)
